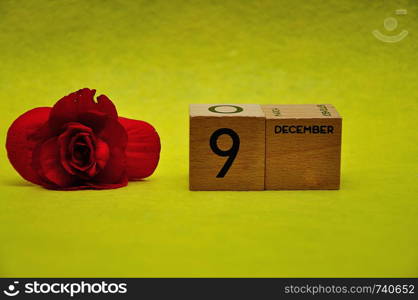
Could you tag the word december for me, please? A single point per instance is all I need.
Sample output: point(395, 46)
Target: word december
point(302, 129)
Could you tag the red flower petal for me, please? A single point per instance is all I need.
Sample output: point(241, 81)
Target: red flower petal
point(50, 163)
point(65, 140)
point(94, 120)
point(115, 169)
point(93, 186)
point(143, 149)
point(22, 138)
point(108, 129)
point(50, 167)
point(102, 153)
point(71, 106)
point(114, 134)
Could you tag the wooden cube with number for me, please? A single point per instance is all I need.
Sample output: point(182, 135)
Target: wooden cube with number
point(303, 146)
point(227, 147)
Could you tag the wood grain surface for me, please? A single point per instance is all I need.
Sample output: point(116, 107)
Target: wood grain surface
point(303, 146)
point(247, 169)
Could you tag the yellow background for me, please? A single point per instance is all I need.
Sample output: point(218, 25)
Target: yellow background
point(153, 58)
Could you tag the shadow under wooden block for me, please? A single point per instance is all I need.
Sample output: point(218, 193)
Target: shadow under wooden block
point(227, 147)
point(303, 147)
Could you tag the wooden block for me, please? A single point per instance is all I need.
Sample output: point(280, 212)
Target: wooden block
point(227, 147)
point(303, 147)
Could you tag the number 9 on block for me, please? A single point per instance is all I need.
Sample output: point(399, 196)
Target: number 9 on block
point(227, 147)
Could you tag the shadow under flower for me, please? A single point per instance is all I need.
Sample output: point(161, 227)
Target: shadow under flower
point(16, 182)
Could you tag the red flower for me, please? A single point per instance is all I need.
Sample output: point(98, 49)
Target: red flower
point(81, 143)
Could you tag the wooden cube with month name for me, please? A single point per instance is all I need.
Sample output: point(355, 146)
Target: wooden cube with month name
point(227, 147)
point(303, 146)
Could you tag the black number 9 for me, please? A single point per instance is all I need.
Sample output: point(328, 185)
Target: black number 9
point(231, 153)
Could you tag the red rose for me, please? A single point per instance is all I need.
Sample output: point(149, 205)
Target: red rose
point(81, 143)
